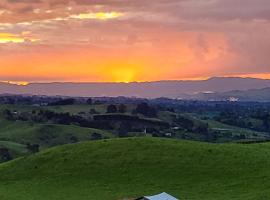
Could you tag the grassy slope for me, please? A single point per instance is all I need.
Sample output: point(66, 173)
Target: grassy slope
point(120, 168)
point(15, 134)
point(233, 129)
point(16, 149)
point(28, 132)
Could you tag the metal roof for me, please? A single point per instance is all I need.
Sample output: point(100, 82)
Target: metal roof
point(162, 196)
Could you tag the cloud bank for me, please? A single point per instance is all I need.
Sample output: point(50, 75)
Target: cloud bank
point(116, 40)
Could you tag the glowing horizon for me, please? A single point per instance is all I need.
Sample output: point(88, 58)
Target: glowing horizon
point(25, 83)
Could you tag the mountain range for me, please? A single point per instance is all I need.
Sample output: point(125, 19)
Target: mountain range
point(212, 88)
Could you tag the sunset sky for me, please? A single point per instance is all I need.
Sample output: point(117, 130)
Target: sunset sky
point(133, 40)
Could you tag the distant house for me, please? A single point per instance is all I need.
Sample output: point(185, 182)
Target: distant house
point(162, 196)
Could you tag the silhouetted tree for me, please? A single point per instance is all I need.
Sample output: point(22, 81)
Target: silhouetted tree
point(5, 154)
point(93, 111)
point(61, 102)
point(8, 114)
point(33, 148)
point(89, 101)
point(185, 123)
point(74, 139)
point(111, 109)
point(124, 129)
point(122, 108)
point(96, 136)
point(146, 110)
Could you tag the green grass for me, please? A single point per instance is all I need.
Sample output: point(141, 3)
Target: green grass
point(125, 168)
point(234, 130)
point(47, 134)
point(15, 148)
point(166, 116)
point(44, 134)
point(22, 108)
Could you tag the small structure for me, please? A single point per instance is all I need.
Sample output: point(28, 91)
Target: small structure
point(162, 196)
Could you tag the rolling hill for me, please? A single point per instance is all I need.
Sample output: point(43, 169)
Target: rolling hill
point(124, 168)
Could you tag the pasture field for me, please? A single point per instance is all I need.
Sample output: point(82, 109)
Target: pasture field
point(127, 168)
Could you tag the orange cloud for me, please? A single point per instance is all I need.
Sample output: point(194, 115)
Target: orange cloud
point(15, 38)
point(261, 75)
point(98, 15)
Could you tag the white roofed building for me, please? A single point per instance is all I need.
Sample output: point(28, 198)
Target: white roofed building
point(162, 196)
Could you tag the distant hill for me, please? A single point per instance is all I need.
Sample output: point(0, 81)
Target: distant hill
point(170, 89)
point(260, 95)
point(127, 168)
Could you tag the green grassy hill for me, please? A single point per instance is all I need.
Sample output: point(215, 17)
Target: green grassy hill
point(124, 168)
point(44, 134)
point(14, 135)
point(23, 132)
point(16, 149)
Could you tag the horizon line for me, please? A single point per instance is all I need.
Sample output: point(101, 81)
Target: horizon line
point(25, 83)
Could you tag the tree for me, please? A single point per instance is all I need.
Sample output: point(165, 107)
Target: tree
point(33, 148)
point(5, 154)
point(124, 129)
point(111, 109)
point(146, 110)
point(122, 108)
point(96, 136)
point(74, 139)
point(8, 115)
point(184, 123)
point(93, 111)
point(69, 101)
point(89, 101)
point(266, 122)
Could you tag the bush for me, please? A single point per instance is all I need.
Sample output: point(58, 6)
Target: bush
point(111, 109)
point(146, 110)
point(63, 102)
point(5, 154)
point(96, 136)
point(122, 108)
point(33, 148)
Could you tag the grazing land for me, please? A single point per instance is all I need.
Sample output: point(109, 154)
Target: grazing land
point(118, 148)
point(127, 168)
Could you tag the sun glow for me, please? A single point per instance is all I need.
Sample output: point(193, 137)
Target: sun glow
point(20, 83)
point(114, 73)
point(125, 75)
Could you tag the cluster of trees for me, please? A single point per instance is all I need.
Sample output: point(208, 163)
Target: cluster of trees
point(116, 109)
point(258, 120)
point(190, 126)
point(47, 116)
point(142, 108)
point(63, 102)
point(146, 110)
point(42, 116)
